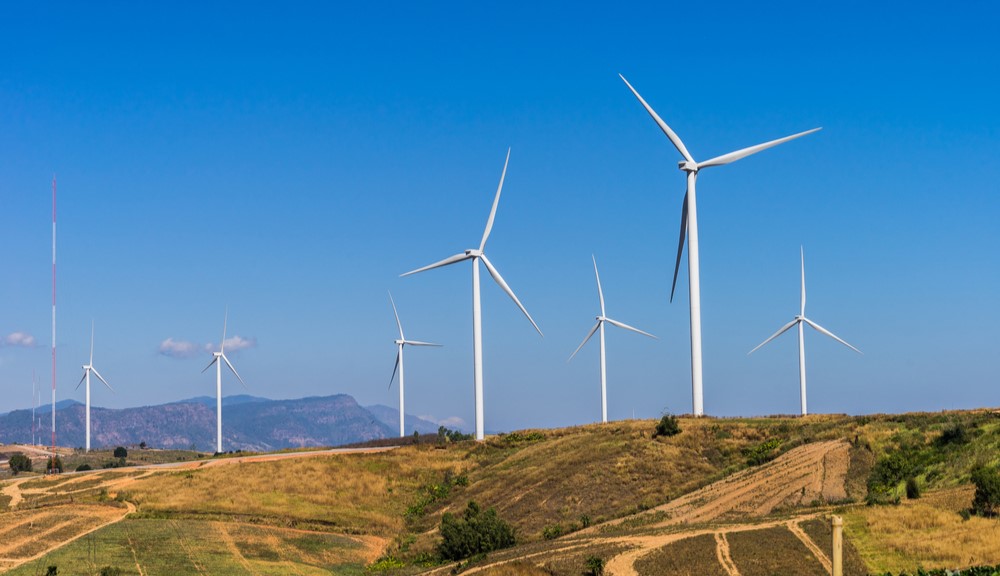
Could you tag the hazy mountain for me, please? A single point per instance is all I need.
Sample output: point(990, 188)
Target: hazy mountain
point(390, 417)
point(248, 423)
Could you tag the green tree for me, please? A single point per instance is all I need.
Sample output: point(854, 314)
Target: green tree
point(121, 452)
point(986, 502)
point(54, 465)
point(476, 532)
point(19, 463)
point(667, 426)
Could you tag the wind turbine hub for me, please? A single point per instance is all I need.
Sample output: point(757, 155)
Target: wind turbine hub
point(687, 166)
point(474, 253)
point(400, 341)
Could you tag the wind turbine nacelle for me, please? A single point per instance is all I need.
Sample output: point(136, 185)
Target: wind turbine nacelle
point(399, 341)
point(474, 253)
point(687, 166)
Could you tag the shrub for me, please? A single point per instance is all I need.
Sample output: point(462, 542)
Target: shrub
point(83, 468)
point(585, 521)
point(986, 502)
point(476, 532)
point(52, 570)
point(595, 566)
point(54, 465)
point(142, 445)
point(19, 463)
point(446, 435)
point(763, 452)
point(955, 434)
point(121, 452)
point(912, 488)
point(110, 571)
point(552, 531)
point(667, 426)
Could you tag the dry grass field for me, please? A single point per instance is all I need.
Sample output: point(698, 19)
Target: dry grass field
point(689, 557)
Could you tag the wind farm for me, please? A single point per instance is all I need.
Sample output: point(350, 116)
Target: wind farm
point(297, 166)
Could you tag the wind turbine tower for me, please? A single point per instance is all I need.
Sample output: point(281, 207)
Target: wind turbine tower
point(87, 369)
point(400, 344)
point(800, 320)
point(600, 326)
point(477, 255)
point(218, 358)
point(689, 230)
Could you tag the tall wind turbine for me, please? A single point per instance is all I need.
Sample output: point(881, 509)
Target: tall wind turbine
point(400, 343)
point(800, 320)
point(476, 254)
point(218, 358)
point(87, 369)
point(689, 225)
point(600, 326)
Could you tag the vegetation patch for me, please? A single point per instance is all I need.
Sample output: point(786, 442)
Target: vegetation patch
point(772, 551)
point(476, 532)
point(688, 557)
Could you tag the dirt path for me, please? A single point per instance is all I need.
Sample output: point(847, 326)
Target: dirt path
point(12, 563)
point(794, 528)
point(722, 553)
point(13, 490)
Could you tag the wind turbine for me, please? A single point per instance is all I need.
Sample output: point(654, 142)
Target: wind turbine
point(800, 320)
point(476, 254)
point(87, 369)
point(216, 356)
point(689, 224)
point(400, 343)
point(600, 326)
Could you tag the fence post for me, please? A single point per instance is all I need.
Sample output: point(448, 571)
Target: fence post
point(838, 546)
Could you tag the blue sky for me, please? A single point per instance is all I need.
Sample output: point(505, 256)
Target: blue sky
point(290, 162)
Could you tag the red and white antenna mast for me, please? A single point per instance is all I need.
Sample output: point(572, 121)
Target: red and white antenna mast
point(53, 461)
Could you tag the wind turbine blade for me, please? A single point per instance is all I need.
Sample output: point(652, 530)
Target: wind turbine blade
point(101, 378)
point(445, 262)
point(230, 364)
point(419, 343)
point(680, 244)
point(499, 280)
point(600, 292)
point(91, 342)
point(394, 370)
point(663, 125)
point(775, 335)
point(802, 254)
point(585, 340)
point(214, 360)
point(734, 156)
point(81, 380)
point(225, 320)
point(496, 201)
point(396, 314)
point(627, 327)
point(830, 334)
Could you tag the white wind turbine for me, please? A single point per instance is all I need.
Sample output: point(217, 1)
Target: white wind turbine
point(216, 356)
point(800, 320)
point(87, 369)
point(400, 343)
point(476, 255)
point(689, 224)
point(600, 326)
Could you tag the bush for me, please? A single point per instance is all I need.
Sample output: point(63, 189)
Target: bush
point(986, 502)
point(110, 571)
point(121, 452)
point(476, 532)
point(552, 531)
point(912, 488)
point(83, 468)
point(54, 465)
point(446, 435)
point(667, 426)
point(763, 452)
point(19, 463)
point(53, 570)
point(595, 566)
point(954, 434)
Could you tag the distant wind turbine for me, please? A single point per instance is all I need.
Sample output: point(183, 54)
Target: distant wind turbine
point(87, 369)
point(216, 356)
point(476, 254)
point(400, 343)
point(689, 225)
point(600, 326)
point(799, 320)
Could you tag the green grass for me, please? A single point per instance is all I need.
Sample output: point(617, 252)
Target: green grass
point(187, 547)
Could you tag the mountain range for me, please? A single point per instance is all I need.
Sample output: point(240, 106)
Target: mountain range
point(248, 423)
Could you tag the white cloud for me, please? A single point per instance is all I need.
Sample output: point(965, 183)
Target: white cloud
point(450, 422)
point(21, 339)
point(178, 348)
point(234, 344)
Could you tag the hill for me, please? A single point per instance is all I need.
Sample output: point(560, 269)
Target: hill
point(724, 496)
point(390, 417)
